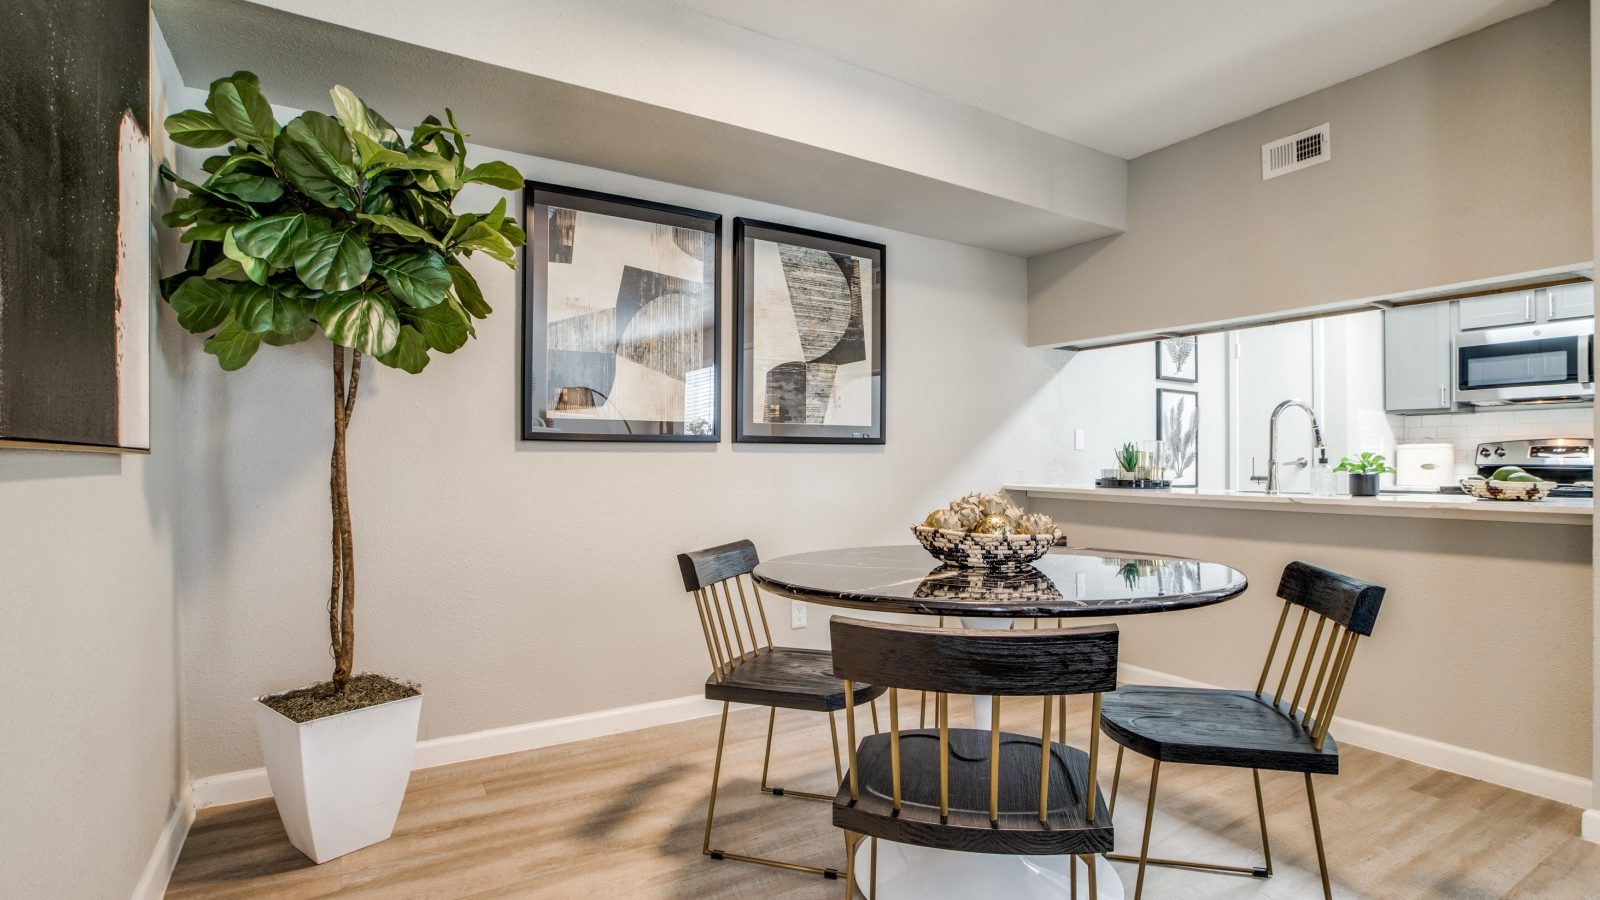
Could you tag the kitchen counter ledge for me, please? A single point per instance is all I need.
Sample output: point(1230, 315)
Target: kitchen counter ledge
point(1550, 511)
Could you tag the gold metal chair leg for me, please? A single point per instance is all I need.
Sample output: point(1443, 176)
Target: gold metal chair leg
point(1072, 877)
point(1094, 890)
point(766, 758)
point(833, 740)
point(1149, 819)
point(874, 707)
point(1261, 810)
point(716, 772)
point(1116, 778)
point(872, 894)
point(850, 865)
point(922, 718)
point(1316, 832)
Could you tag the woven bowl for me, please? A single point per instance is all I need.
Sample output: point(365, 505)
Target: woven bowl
point(1508, 490)
point(995, 552)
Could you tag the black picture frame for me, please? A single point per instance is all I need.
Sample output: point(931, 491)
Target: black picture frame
point(536, 400)
point(1161, 431)
point(1164, 360)
point(873, 320)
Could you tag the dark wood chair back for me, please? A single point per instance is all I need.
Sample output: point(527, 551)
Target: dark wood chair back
point(1048, 664)
point(707, 575)
point(1350, 606)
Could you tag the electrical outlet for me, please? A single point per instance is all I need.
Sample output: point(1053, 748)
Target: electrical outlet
point(797, 614)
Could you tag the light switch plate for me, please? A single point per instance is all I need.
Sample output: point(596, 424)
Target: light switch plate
point(1077, 439)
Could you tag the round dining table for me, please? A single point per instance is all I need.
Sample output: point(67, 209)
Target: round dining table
point(1064, 583)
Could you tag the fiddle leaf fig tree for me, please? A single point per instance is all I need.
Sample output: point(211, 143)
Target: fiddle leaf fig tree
point(333, 225)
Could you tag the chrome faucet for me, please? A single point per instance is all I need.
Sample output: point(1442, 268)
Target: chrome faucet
point(1317, 445)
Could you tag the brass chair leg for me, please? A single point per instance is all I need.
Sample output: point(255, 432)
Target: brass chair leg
point(833, 740)
point(716, 773)
point(1072, 877)
point(922, 719)
point(1149, 818)
point(872, 894)
point(1116, 777)
point(1094, 891)
point(1316, 832)
point(766, 758)
point(1261, 810)
point(874, 707)
point(850, 865)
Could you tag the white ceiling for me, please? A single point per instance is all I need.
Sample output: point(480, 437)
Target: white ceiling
point(1122, 76)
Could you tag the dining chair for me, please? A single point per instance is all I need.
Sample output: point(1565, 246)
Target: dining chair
point(1251, 729)
point(967, 789)
point(758, 673)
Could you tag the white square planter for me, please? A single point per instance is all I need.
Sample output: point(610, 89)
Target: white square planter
point(338, 781)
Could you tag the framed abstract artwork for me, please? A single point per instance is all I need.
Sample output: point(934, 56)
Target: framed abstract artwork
point(809, 336)
point(1178, 359)
point(1178, 427)
point(76, 278)
point(620, 319)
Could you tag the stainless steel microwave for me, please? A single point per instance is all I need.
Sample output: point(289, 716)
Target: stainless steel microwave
point(1551, 362)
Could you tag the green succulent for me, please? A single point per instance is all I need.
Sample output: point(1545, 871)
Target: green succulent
point(1367, 463)
point(1127, 457)
point(335, 224)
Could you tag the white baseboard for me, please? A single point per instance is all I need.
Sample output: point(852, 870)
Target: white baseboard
point(158, 871)
point(1520, 776)
point(1591, 825)
point(251, 784)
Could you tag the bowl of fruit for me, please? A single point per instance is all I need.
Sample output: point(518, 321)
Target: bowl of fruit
point(984, 531)
point(1507, 483)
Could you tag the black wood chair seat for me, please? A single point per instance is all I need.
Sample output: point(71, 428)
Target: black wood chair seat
point(968, 828)
point(788, 678)
point(1214, 728)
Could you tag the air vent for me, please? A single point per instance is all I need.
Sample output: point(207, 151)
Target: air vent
point(1296, 152)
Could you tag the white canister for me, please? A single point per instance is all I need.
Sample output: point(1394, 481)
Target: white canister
point(1424, 465)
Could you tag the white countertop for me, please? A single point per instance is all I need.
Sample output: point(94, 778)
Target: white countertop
point(1551, 510)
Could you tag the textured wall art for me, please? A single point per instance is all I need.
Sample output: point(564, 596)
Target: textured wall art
point(75, 269)
point(1178, 359)
point(1178, 427)
point(810, 318)
point(620, 314)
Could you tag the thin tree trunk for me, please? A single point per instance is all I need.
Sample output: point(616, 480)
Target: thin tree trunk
point(342, 592)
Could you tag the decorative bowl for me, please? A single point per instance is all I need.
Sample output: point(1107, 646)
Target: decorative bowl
point(1507, 490)
point(995, 552)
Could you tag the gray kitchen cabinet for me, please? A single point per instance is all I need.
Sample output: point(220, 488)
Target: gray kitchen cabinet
point(1494, 310)
point(1416, 358)
point(1568, 301)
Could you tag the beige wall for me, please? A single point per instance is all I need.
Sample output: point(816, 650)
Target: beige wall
point(1483, 642)
point(525, 581)
point(89, 718)
point(1592, 829)
point(1468, 161)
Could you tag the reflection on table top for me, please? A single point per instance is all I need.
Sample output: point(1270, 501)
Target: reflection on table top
point(1065, 582)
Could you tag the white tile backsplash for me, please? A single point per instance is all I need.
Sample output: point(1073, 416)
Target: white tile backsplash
point(1467, 430)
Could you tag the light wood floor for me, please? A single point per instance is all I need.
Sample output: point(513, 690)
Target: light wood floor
point(621, 816)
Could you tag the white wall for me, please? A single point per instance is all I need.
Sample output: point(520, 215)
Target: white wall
point(90, 741)
point(525, 581)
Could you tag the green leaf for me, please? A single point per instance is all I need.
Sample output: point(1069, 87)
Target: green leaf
point(468, 291)
point(410, 352)
point(254, 163)
point(482, 237)
point(445, 326)
point(193, 128)
point(233, 346)
point(284, 338)
point(397, 225)
point(238, 106)
point(202, 303)
point(335, 259)
point(251, 188)
point(273, 238)
point(205, 231)
point(359, 120)
point(256, 270)
point(359, 319)
point(317, 157)
point(226, 269)
point(498, 174)
point(417, 277)
point(375, 156)
point(261, 309)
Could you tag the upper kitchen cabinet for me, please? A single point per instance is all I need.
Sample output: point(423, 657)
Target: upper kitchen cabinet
point(1495, 310)
point(1416, 358)
point(1568, 301)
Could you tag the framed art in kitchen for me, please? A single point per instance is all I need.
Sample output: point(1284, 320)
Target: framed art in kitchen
point(809, 336)
point(1178, 428)
point(1178, 359)
point(620, 319)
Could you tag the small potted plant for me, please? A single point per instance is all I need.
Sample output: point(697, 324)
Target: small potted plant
point(1127, 462)
point(1364, 471)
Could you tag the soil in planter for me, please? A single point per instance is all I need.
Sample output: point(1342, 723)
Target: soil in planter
point(319, 700)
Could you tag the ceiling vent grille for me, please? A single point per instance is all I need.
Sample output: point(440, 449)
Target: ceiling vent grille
point(1296, 152)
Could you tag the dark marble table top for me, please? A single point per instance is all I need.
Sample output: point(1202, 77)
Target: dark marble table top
point(1065, 582)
